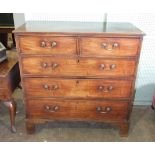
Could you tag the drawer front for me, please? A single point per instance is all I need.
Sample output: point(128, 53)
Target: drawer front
point(84, 88)
point(78, 67)
point(48, 45)
point(76, 109)
point(109, 47)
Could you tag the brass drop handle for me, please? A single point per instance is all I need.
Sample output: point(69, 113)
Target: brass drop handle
point(42, 44)
point(109, 47)
point(105, 88)
point(103, 110)
point(51, 108)
point(112, 66)
point(46, 86)
point(54, 87)
point(53, 44)
point(110, 88)
point(54, 65)
point(44, 65)
point(102, 66)
point(101, 88)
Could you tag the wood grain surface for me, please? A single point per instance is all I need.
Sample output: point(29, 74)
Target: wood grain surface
point(78, 71)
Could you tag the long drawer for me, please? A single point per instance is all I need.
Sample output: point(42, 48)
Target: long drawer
point(48, 45)
point(85, 88)
point(109, 46)
point(76, 109)
point(52, 66)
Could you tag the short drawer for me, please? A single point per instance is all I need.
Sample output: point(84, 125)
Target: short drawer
point(76, 109)
point(109, 46)
point(51, 66)
point(77, 88)
point(48, 45)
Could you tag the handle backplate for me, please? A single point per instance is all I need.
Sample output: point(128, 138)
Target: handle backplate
point(109, 46)
point(51, 108)
point(103, 110)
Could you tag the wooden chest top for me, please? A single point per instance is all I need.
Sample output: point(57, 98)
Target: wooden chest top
point(75, 28)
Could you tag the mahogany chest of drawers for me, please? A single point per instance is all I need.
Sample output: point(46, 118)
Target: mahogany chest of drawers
point(78, 71)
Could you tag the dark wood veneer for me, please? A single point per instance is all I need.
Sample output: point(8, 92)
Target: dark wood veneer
point(86, 88)
point(78, 71)
point(78, 67)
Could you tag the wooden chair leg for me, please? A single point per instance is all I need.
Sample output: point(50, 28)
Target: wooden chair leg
point(12, 111)
point(15, 108)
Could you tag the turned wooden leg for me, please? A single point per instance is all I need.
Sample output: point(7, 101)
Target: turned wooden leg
point(124, 128)
point(30, 127)
point(12, 111)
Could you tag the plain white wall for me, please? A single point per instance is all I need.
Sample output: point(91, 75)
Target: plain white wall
point(19, 19)
point(65, 17)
